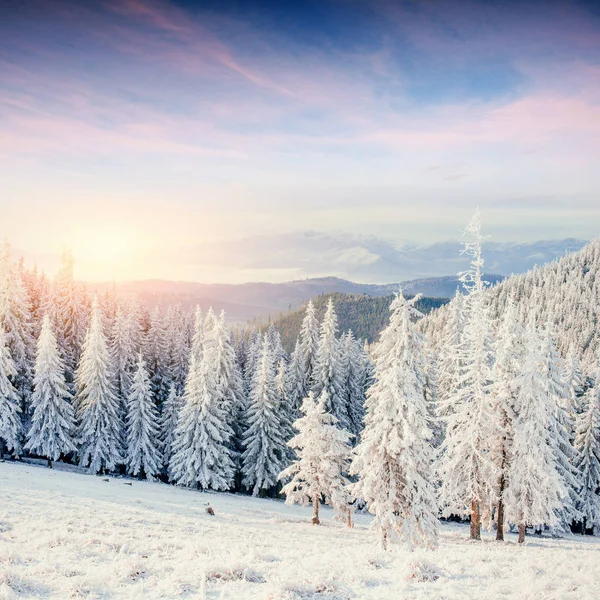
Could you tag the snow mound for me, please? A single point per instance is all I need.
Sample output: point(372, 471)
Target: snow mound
point(323, 589)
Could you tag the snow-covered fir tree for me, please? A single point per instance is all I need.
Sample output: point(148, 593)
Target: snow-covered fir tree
point(588, 455)
point(168, 423)
point(510, 353)
point(123, 350)
point(353, 374)
point(309, 344)
point(68, 310)
point(536, 489)
point(264, 440)
point(156, 353)
point(178, 345)
point(564, 426)
point(100, 432)
point(201, 450)
point(53, 421)
point(328, 370)
point(468, 467)
point(394, 459)
point(295, 380)
point(15, 317)
point(143, 456)
point(228, 377)
point(323, 455)
point(10, 410)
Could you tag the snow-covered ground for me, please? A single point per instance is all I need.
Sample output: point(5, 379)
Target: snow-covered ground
point(69, 535)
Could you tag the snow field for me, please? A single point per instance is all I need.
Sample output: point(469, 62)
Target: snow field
point(67, 535)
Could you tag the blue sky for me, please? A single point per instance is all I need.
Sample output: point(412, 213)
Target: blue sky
point(132, 129)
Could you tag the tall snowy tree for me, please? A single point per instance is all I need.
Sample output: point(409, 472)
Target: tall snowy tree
point(468, 466)
point(10, 421)
point(15, 317)
point(168, 423)
point(295, 380)
point(328, 369)
point(201, 450)
point(564, 427)
point(123, 352)
point(353, 374)
point(53, 421)
point(323, 456)
point(143, 457)
point(536, 489)
point(309, 344)
point(510, 351)
point(394, 459)
point(588, 458)
point(264, 441)
point(156, 353)
point(68, 317)
point(97, 406)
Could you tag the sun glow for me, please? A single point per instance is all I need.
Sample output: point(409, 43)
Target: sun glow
point(108, 251)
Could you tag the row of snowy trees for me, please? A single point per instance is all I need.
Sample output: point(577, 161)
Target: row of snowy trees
point(113, 385)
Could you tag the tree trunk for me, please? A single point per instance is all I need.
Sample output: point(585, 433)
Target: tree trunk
point(349, 518)
point(315, 519)
point(522, 528)
point(1, 449)
point(384, 538)
point(49, 463)
point(475, 523)
point(500, 516)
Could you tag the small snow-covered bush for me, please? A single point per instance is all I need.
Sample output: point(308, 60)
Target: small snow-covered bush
point(422, 571)
point(325, 589)
point(236, 573)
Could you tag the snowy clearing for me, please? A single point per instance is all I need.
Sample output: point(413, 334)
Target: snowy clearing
point(68, 535)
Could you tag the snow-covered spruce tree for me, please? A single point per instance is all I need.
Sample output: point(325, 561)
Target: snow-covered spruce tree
point(328, 370)
point(228, 379)
point(143, 457)
point(536, 490)
point(264, 441)
point(323, 455)
point(588, 456)
point(67, 309)
point(53, 422)
point(295, 379)
point(15, 317)
point(353, 381)
point(274, 337)
point(100, 431)
point(286, 414)
point(450, 352)
point(179, 345)
point(123, 352)
point(394, 459)
point(156, 353)
point(510, 352)
point(201, 449)
point(309, 343)
point(468, 468)
point(564, 427)
point(10, 418)
point(168, 424)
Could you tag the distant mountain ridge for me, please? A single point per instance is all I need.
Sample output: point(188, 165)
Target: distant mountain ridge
point(261, 300)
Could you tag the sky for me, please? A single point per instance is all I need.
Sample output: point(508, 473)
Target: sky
point(140, 133)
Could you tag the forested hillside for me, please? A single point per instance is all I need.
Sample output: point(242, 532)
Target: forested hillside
point(365, 315)
point(565, 292)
